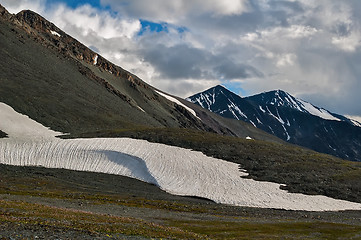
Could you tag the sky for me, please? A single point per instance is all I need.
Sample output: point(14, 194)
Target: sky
point(311, 49)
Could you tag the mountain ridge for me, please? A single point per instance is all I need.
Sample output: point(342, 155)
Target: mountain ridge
point(129, 101)
point(293, 120)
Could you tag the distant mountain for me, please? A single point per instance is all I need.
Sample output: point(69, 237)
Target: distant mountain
point(289, 118)
point(57, 81)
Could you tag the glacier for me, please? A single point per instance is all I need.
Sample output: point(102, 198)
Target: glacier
point(175, 170)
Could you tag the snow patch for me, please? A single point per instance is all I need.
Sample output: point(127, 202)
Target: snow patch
point(236, 108)
point(260, 107)
point(176, 170)
point(259, 121)
point(320, 112)
point(277, 118)
point(254, 125)
point(355, 123)
point(55, 33)
point(141, 109)
point(287, 135)
point(17, 125)
point(172, 99)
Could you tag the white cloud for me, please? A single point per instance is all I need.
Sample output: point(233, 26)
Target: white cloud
point(286, 60)
point(15, 6)
point(348, 43)
point(89, 20)
point(177, 10)
point(291, 32)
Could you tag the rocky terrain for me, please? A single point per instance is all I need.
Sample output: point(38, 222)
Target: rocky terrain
point(291, 119)
point(58, 82)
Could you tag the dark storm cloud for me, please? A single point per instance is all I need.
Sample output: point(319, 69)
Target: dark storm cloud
point(229, 70)
point(182, 61)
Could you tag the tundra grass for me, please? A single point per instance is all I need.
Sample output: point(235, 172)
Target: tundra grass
point(28, 214)
point(94, 204)
point(278, 230)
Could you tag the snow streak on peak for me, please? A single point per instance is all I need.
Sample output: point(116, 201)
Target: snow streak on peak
point(320, 112)
point(280, 98)
point(206, 99)
point(355, 123)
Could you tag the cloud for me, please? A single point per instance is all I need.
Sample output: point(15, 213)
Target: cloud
point(91, 21)
point(229, 71)
point(308, 48)
point(348, 43)
point(15, 6)
point(176, 10)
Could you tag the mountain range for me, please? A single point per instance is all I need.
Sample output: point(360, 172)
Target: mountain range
point(64, 106)
point(289, 118)
point(61, 83)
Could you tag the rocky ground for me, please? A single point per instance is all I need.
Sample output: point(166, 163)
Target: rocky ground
point(40, 203)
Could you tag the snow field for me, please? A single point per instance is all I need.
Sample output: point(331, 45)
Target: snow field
point(17, 125)
point(175, 170)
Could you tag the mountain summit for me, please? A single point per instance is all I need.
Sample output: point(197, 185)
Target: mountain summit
point(61, 83)
point(281, 98)
point(289, 118)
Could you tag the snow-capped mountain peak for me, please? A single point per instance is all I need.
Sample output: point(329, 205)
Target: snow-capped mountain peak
point(289, 118)
point(281, 98)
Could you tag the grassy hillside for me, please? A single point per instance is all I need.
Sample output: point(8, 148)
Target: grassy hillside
point(57, 203)
point(302, 170)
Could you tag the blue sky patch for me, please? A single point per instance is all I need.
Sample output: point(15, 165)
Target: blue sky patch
point(76, 3)
point(236, 88)
point(148, 26)
point(152, 27)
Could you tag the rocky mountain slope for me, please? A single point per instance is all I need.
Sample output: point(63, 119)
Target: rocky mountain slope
point(291, 119)
point(62, 84)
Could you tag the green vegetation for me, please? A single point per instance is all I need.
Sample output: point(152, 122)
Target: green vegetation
point(29, 215)
point(35, 214)
point(278, 230)
point(43, 202)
